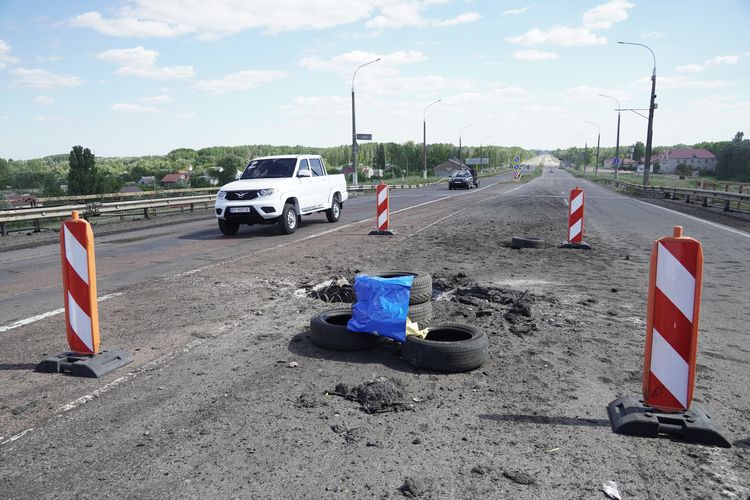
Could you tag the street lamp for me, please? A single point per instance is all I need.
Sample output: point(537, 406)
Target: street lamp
point(652, 106)
point(617, 144)
point(460, 146)
point(598, 136)
point(585, 151)
point(354, 126)
point(424, 135)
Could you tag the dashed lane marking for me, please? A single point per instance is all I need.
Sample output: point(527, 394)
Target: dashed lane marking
point(39, 317)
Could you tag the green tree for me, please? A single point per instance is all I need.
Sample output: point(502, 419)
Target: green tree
point(380, 156)
point(227, 168)
point(639, 150)
point(82, 176)
point(4, 173)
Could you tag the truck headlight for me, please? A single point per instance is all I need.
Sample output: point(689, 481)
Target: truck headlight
point(266, 192)
point(221, 194)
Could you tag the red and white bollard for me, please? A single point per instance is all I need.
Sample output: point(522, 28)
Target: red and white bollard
point(674, 296)
point(382, 210)
point(672, 322)
point(81, 309)
point(79, 286)
point(575, 221)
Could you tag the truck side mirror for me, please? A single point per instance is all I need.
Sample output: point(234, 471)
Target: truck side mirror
point(304, 173)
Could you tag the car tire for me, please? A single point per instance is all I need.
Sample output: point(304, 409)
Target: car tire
point(420, 314)
point(333, 214)
point(289, 219)
point(421, 287)
point(328, 330)
point(228, 228)
point(519, 242)
point(447, 348)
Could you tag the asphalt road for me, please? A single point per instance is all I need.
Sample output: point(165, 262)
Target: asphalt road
point(31, 281)
point(225, 398)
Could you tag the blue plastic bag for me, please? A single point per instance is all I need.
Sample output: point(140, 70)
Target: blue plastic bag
point(382, 305)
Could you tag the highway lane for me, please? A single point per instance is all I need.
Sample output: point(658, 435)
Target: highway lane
point(31, 282)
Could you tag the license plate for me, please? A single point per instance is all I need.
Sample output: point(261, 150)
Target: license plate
point(239, 210)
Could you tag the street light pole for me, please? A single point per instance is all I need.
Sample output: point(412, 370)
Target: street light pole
point(652, 106)
point(354, 126)
point(598, 137)
point(424, 136)
point(617, 144)
point(460, 146)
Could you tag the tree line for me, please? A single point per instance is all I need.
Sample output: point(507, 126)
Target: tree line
point(84, 173)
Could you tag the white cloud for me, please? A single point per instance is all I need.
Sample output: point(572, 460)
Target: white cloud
point(513, 12)
point(653, 35)
point(42, 79)
point(319, 106)
point(158, 99)
point(690, 68)
point(170, 18)
point(558, 35)
point(468, 17)
point(187, 115)
point(129, 26)
point(132, 108)
point(604, 16)
point(533, 55)
point(43, 99)
point(244, 80)
point(141, 62)
point(5, 56)
point(723, 60)
point(349, 61)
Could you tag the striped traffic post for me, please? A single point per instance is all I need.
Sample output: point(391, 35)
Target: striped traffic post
point(79, 285)
point(672, 322)
point(674, 295)
point(81, 310)
point(575, 221)
point(382, 212)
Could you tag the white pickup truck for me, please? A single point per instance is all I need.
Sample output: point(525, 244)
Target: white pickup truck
point(280, 189)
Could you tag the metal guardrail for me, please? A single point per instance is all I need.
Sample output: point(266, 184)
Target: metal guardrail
point(674, 193)
point(97, 208)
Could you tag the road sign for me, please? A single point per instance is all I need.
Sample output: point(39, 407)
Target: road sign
point(516, 174)
point(477, 161)
point(516, 159)
point(364, 137)
point(516, 166)
point(616, 161)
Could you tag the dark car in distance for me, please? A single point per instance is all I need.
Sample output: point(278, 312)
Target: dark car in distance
point(462, 179)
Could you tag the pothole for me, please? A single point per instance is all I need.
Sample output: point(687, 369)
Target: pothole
point(337, 289)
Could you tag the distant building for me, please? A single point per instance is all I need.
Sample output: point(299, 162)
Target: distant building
point(148, 180)
point(129, 188)
point(448, 168)
point(174, 180)
point(699, 159)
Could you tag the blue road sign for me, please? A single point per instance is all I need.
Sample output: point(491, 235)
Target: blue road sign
point(516, 159)
point(616, 161)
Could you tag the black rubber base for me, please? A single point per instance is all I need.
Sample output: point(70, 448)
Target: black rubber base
point(387, 232)
point(578, 246)
point(628, 415)
point(92, 366)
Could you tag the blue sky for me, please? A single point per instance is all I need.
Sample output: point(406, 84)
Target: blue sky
point(138, 77)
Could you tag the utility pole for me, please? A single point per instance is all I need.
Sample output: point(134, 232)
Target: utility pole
point(355, 146)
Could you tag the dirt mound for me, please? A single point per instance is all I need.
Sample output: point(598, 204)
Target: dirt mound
point(382, 394)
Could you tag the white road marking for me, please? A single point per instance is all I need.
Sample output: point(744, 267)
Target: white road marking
point(696, 219)
point(39, 317)
point(17, 436)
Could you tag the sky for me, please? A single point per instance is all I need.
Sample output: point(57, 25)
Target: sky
point(144, 77)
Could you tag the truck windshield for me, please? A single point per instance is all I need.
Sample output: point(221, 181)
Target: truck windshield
point(269, 168)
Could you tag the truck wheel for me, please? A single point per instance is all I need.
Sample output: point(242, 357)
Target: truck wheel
point(447, 348)
point(333, 214)
point(288, 221)
point(228, 228)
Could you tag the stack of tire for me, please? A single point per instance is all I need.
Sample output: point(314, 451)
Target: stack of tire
point(446, 348)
